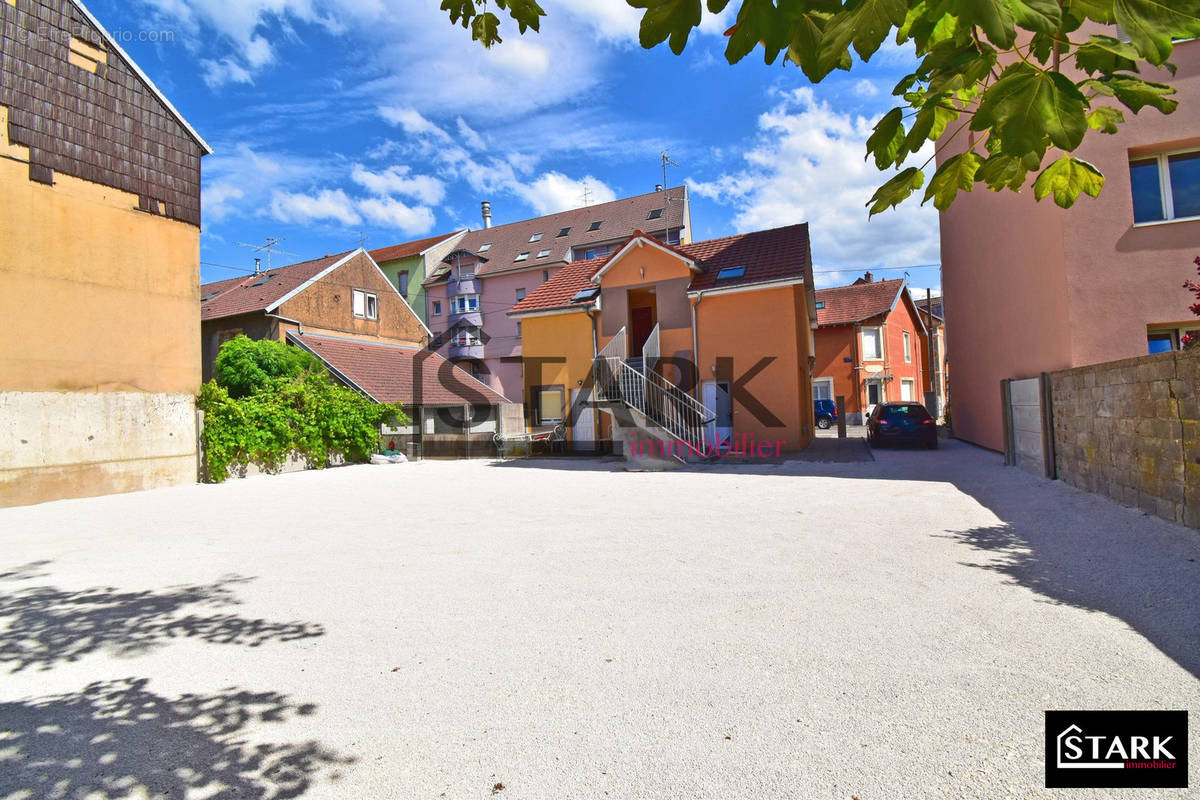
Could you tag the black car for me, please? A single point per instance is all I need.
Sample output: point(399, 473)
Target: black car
point(826, 411)
point(902, 423)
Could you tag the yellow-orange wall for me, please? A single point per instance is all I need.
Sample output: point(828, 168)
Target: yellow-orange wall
point(748, 326)
point(556, 336)
point(101, 361)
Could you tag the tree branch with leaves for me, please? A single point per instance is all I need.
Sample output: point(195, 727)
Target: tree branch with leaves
point(1024, 78)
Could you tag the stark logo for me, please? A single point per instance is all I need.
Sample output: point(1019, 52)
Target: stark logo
point(1116, 749)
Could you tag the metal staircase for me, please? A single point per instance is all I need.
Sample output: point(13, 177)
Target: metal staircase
point(645, 402)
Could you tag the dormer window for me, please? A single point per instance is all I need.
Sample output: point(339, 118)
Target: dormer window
point(537, 237)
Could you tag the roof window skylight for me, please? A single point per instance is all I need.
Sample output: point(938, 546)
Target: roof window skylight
point(730, 273)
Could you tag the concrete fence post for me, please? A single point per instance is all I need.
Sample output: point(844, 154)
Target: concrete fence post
point(841, 412)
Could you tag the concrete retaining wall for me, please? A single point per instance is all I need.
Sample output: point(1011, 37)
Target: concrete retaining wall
point(1131, 430)
point(81, 444)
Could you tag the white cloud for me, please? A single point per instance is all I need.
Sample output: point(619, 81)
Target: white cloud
point(470, 136)
point(553, 192)
point(864, 88)
point(412, 122)
point(391, 212)
point(219, 73)
point(806, 164)
point(400, 180)
point(328, 204)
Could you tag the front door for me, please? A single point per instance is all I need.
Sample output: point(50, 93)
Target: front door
point(641, 324)
point(583, 429)
point(874, 394)
point(718, 401)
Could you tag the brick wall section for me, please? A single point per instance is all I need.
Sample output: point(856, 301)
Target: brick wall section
point(1131, 430)
point(106, 127)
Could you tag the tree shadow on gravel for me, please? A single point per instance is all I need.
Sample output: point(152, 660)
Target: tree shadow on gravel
point(1082, 550)
point(42, 625)
point(119, 739)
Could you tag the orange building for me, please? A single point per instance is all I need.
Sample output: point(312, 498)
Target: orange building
point(704, 347)
point(870, 346)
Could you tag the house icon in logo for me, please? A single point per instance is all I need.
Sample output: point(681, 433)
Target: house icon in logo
point(1058, 750)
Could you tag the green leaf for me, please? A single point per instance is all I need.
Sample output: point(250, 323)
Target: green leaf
point(527, 13)
point(1151, 25)
point(1098, 10)
point(887, 139)
point(929, 123)
point(667, 18)
point(1135, 93)
point(459, 9)
point(1002, 171)
point(998, 18)
point(896, 191)
point(1066, 179)
point(1106, 54)
point(758, 22)
point(865, 24)
point(1105, 119)
point(954, 175)
point(1027, 105)
point(1040, 16)
point(485, 29)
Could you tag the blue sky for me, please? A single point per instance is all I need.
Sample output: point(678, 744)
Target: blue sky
point(345, 118)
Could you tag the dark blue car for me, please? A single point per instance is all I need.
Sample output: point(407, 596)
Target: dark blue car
point(826, 412)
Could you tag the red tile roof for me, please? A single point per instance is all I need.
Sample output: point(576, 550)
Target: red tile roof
point(770, 255)
point(396, 252)
point(619, 218)
point(845, 305)
point(387, 372)
point(259, 292)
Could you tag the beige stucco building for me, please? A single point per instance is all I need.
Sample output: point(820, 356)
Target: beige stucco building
point(1037, 288)
point(99, 265)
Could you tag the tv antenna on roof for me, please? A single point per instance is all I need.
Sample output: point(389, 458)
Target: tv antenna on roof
point(667, 162)
point(272, 246)
point(587, 194)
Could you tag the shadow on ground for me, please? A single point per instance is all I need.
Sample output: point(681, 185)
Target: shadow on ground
point(119, 739)
point(1075, 548)
point(42, 625)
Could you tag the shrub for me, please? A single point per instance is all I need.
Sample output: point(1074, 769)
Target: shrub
point(245, 365)
point(299, 410)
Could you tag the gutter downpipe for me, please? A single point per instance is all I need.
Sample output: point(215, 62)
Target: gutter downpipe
point(593, 316)
point(299, 325)
point(696, 349)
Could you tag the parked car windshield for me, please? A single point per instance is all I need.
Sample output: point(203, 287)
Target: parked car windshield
point(913, 412)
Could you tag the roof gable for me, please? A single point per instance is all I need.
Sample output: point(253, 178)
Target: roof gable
point(417, 247)
point(779, 254)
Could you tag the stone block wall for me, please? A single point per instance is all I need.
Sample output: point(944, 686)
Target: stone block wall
point(1131, 430)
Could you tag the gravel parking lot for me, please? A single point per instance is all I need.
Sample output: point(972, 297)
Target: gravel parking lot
point(557, 629)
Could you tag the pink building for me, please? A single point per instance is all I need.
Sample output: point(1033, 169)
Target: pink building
point(1036, 288)
point(491, 270)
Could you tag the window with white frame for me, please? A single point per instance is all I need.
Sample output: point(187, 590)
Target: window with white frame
point(551, 405)
point(465, 337)
point(907, 349)
point(464, 303)
point(822, 388)
point(872, 344)
point(907, 390)
point(1166, 186)
point(364, 304)
point(437, 308)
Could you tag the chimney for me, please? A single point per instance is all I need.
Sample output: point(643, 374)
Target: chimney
point(658, 187)
point(868, 277)
point(257, 266)
point(487, 214)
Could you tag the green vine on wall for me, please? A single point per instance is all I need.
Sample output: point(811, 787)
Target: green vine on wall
point(269, 400)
